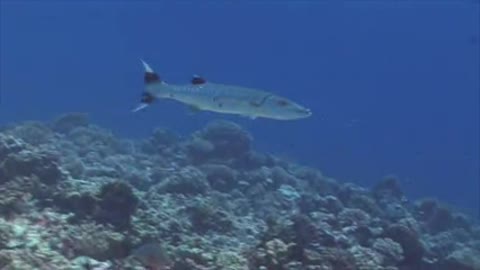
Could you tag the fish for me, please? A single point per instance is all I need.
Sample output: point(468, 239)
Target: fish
point(202, 95)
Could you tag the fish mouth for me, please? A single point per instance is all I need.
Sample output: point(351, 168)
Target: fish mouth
point(304, 112)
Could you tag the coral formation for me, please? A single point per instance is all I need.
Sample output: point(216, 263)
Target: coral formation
point(74, 196)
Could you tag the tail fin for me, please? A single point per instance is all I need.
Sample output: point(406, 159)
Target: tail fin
point(146, 100)
point(150, 77)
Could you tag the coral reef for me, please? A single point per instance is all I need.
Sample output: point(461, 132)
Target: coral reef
point(74, 196)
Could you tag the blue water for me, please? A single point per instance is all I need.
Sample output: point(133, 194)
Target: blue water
point(394, 86)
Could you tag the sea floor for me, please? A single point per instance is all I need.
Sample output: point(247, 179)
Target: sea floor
point(74, 196)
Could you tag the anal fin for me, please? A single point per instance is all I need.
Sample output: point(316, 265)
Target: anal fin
point(192, 110)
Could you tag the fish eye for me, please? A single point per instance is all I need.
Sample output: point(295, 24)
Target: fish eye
point(282, 103)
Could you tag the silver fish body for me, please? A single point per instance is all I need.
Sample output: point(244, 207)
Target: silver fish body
point(221, 98)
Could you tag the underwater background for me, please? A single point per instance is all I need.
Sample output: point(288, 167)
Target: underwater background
point(393, 86)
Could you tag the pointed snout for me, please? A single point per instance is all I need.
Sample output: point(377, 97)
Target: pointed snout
point(303, 112)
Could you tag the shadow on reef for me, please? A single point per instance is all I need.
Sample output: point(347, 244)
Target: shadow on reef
point(75, 196)
point(114, 204)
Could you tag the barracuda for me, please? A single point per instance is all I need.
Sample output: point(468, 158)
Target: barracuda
point(202, 95)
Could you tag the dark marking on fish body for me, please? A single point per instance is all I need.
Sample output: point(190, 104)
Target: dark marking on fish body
point(282, 103)
point(217, 100)
point(151, 77)
point(254, 103)
point(147, 98)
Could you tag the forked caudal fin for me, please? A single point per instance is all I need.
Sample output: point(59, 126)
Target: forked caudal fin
point(150, 77)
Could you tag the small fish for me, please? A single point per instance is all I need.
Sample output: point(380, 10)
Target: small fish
point(201, 95)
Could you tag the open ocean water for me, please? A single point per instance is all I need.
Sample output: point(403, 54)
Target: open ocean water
point(385, 174)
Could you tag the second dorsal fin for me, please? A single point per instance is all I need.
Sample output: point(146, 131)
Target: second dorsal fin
point(198, 80)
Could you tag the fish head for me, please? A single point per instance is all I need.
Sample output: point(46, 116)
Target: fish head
point(280, 108)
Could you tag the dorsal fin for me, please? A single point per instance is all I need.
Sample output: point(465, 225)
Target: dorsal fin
point(198, 80)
